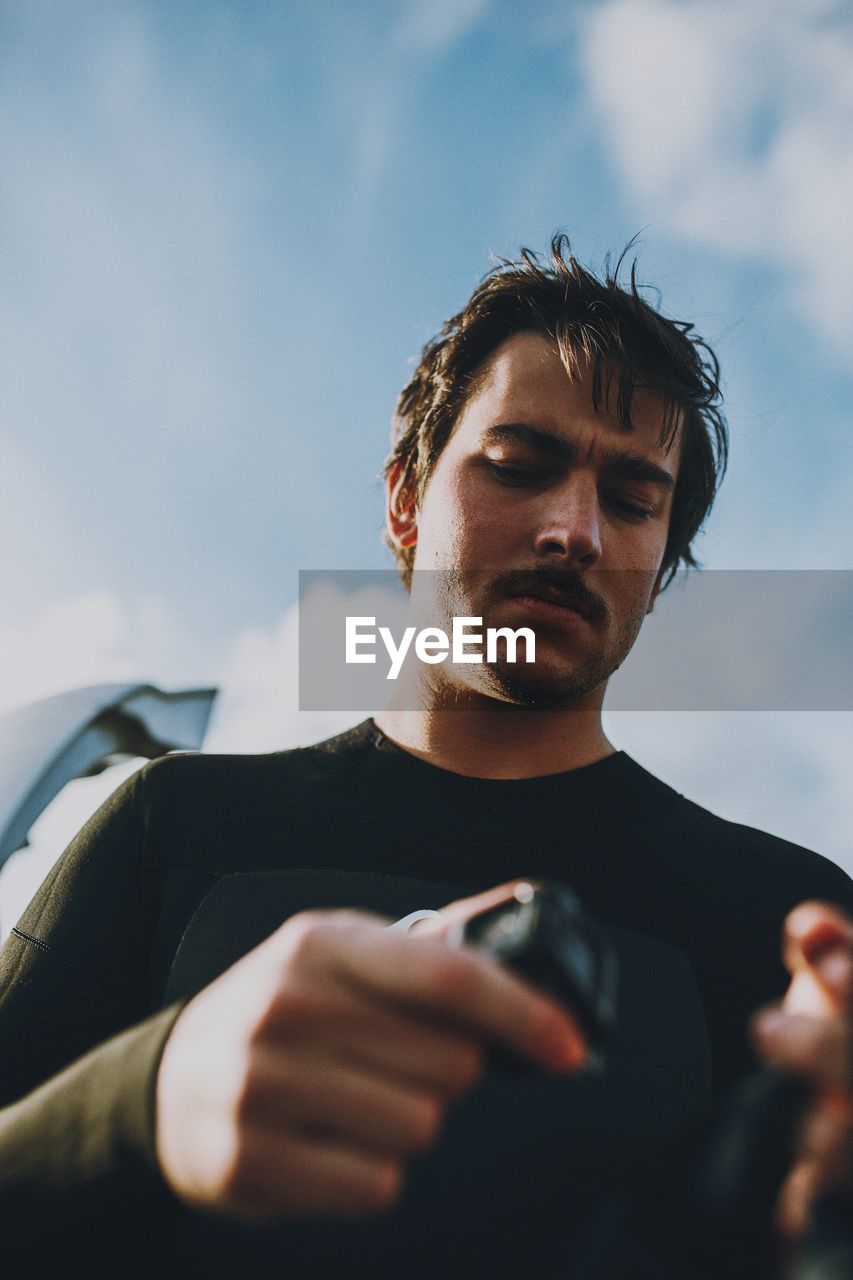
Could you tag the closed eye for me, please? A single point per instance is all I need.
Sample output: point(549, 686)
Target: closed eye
point(516, 475)
point(519, 477)
point(630, 510)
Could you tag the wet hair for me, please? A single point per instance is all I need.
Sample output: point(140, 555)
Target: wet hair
point(598, 324)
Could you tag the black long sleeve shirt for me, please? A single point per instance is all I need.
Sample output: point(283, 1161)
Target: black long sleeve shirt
point(196, 859)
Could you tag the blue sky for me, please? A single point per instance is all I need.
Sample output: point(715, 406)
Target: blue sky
point(228, 226)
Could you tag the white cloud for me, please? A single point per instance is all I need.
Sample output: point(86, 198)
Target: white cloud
point(437, 24)
point(258, 708)
point(97, 637)
point(72, 642)
point(732, 123)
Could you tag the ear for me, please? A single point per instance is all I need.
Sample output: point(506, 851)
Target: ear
point(400, 507)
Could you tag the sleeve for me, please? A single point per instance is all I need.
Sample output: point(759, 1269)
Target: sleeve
point(78, 1055)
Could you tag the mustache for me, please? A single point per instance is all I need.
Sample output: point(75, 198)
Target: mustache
point(566, 584)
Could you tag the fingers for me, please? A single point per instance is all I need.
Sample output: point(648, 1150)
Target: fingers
point(811, 1034)
point(423, 1056)
point(820, 1048)
point(314, 1097)
point(818, 951)
point(288, 1175)
point(825, 1140)
point(456, 913)
point(824, 1163)
point(462, 987)
point(347, 1025)
point(799, 1191)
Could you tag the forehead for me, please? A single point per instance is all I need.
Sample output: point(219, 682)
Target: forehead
point(525, 381)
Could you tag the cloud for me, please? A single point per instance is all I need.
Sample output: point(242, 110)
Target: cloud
point(732, 124)
point(71, 642)
point(98, 637)
point(258, 708)
point(436, 26)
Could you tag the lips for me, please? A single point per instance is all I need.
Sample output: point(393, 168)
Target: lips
point(560, 594)
point(551, 595)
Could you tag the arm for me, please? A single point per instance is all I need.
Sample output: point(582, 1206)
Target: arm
point(79, 1056)
point(76, 976)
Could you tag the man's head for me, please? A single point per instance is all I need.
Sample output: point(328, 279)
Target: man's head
point(595, 324)
point(555, 454)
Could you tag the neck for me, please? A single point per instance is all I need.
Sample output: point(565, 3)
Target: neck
point(484, 737)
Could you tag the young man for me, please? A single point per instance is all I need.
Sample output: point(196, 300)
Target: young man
point(216, 1051)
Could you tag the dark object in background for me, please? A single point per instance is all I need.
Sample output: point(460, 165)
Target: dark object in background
point(743, 1166)
point(544, 934)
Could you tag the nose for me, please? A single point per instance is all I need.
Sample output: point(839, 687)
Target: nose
point(569, 530)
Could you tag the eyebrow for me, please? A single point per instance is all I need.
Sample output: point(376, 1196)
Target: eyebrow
point(616, 462)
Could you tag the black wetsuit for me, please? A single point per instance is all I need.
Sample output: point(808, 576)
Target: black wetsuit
point(197, 858)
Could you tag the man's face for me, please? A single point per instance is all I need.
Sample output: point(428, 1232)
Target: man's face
point(542, 512)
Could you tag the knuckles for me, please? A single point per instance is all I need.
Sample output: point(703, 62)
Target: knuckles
point(304, 941)
point(290, 1008)
point(449, 978)
point(302, 938)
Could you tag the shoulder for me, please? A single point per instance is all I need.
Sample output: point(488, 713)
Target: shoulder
point(221, 778)
point(731, 884)
point(235, 812)
point(772, 862)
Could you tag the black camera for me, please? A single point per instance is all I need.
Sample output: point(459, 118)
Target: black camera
point(544, 935)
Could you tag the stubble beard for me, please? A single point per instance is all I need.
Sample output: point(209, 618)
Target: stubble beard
point(561, 683)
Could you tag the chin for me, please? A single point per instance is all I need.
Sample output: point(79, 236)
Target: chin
point(557, 687)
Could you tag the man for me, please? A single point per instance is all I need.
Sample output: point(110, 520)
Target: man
point(192, 1082)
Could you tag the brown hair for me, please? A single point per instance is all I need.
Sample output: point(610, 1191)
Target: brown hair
point(595, 322)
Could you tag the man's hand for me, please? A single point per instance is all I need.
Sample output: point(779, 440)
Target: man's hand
point(300, 1081)
point(811, 1034)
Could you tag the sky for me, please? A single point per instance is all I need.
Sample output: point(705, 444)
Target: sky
point(227, 227)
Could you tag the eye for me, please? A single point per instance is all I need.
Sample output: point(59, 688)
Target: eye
point(629, 510)
point(517, 476)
